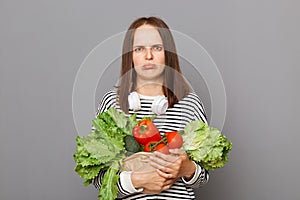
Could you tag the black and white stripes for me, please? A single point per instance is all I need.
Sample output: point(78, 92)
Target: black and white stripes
point(175, 119)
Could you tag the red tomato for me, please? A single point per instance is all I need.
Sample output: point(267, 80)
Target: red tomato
point(174, 140)
point(162, 148)
point(153, 146)
point(149, 147)
point(146, 132)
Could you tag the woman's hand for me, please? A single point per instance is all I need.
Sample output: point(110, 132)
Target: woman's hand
point(151, 182)
point(173, 166)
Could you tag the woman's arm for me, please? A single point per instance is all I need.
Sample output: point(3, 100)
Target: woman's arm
point(201, 175)
point(149, 182)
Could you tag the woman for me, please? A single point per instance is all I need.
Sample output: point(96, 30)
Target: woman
point(151, 83)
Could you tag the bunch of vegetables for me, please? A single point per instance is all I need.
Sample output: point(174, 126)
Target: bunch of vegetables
point(116, 136)
point(147, 135)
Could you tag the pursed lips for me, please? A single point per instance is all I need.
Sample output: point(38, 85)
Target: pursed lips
point(149, 66)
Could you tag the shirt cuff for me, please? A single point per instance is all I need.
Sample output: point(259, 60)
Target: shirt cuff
point(125, 180)
point(195, 177)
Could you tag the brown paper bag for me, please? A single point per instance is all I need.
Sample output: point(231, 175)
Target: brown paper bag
point(138, 162)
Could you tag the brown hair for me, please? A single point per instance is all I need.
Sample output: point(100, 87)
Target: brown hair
point(174, 87)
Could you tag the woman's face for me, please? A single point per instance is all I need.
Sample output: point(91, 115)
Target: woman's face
point(148, 53)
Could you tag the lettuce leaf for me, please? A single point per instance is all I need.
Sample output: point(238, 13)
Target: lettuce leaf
point(109, 189)
point(206, 145)
point(103, 149)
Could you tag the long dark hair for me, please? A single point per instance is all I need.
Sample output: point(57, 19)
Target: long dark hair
point(174, 87)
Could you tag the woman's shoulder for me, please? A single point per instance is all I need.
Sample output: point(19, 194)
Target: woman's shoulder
point(110, 94)
point(192, 100)
point(192, 97)
point(195, 101)
point(108, 100)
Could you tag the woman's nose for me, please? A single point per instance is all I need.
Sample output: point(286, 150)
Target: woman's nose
point(148, 54)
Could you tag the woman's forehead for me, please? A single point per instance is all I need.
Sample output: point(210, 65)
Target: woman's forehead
point(146, 35)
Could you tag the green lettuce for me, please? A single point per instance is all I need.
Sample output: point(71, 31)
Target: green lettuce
point(103, 149)
point(206, 145)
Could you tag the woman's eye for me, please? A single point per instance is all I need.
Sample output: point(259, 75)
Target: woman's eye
point(138, 49)
point(157, 48)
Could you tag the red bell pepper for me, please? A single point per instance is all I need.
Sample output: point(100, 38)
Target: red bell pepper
point(145, 132)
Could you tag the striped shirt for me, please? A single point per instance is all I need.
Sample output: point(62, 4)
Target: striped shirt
point(175, 119)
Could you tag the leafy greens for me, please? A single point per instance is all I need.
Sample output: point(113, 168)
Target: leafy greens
point(206, 145)
point(103, 149)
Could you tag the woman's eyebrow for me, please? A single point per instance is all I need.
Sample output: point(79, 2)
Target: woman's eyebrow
point(145, 46)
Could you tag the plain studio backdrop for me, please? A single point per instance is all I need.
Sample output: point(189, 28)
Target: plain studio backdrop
point(255, 45)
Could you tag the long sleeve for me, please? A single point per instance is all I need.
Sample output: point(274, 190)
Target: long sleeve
point(201, 175)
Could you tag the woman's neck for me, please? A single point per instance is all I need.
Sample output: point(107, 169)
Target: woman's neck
point(149, 88)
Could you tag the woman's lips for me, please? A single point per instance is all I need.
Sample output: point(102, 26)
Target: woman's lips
point(149, 66)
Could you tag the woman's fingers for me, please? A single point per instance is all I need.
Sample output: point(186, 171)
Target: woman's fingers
point(164, 159)
point(176, 152)
point(159, 161)
point(159, 165)
point(164, 164)
point(165, 175)
point(168, 170)
point(169, 183)
point(151, 181)
point(173, 165)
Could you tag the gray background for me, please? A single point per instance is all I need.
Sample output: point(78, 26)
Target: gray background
point(254, 43)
